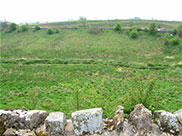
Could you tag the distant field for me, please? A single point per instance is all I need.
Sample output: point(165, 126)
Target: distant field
point(111, 23)
point(41, 71)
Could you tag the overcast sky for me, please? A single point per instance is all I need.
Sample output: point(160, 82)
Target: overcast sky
point(27, 11)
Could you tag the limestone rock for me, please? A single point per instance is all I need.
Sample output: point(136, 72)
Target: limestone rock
point(87, 121)
point(21, 119)
point(20, 132)
point(55, 123)
point(141, 118)
point(167, 121)
point(119, 118)
point(10, 132)
point(179, 116)
point(69, 130)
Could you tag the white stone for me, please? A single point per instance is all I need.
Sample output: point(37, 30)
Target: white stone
point(167, 121)
point(21, 119)
point(87, 121)
point(55, 123)
point(179, 115)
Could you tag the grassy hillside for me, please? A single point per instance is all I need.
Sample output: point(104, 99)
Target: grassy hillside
point(55, 72)
point(111, 23)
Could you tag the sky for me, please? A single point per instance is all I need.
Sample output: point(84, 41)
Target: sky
point(30, 11)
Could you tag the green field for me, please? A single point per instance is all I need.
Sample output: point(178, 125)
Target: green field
point(110, 23)
point(77, 70)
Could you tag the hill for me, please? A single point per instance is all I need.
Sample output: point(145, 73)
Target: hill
point(74, 69)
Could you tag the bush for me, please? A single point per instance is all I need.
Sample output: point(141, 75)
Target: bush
point(23, 28)
point(50, 31)
point(145, 29)
point(57, 31)
point(12, 27)
point(152, 28)
point(133, 34)
point(171, 40)
point(175, 31)
point(95, 30)
point(140, 92)
point(118, 28)
point(37, 28)
point(179, 31)
point(4, 25)
point(137, 28)
point(83, 22)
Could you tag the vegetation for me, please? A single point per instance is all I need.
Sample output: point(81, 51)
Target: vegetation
point(49, 31)
point(133, 34)
point(118, 28)
point(36, 28)
point(12, 27)
point(57, 31)
point(83, 22)
point(179, 31)
point(95, 30)
point(152, 28)
point(4, 25)
point(171, 40)
point(23, 28)
point(74, 69)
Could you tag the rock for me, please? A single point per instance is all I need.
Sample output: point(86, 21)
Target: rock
point(10, 132)
point(179, 116)
point(35, 118)
point(69, 130)
point(167, 121)
point(25, 132)
point(20, 132)
point(87, 121)
point(128, 129)
point(119, 118)
point(21, 119)
point(55, 123)
point(141, 118)
point(40, 130)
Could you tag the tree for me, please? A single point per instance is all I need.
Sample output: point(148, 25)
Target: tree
point(12, 27)
point(118, 28)
point(50, 31)
point(82, 22)
point(152, 28)
point(4, 25)
point(37, 28)
point(23, 28)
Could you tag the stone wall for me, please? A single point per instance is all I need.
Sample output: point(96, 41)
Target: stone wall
point(90, 122)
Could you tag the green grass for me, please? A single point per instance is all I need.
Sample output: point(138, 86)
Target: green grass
point(41, 71)
point(170, 25)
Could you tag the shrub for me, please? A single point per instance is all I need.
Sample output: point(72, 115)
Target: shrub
point(171, 40)
point(140, 92)
point(179, 31)
point(83, 22)
point(4, 25)
point(50, 31)
point(95, 30)
point(23, 28)
point(133, 34)
point(118, 28)
point(175, 31)
point(175, 41)
point(137, 28)
point(145, 29)
point(152, 28)
point(37, 28)
point(57, 31)
point(12, 27)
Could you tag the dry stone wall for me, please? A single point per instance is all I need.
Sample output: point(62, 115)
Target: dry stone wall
point(90, 122)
